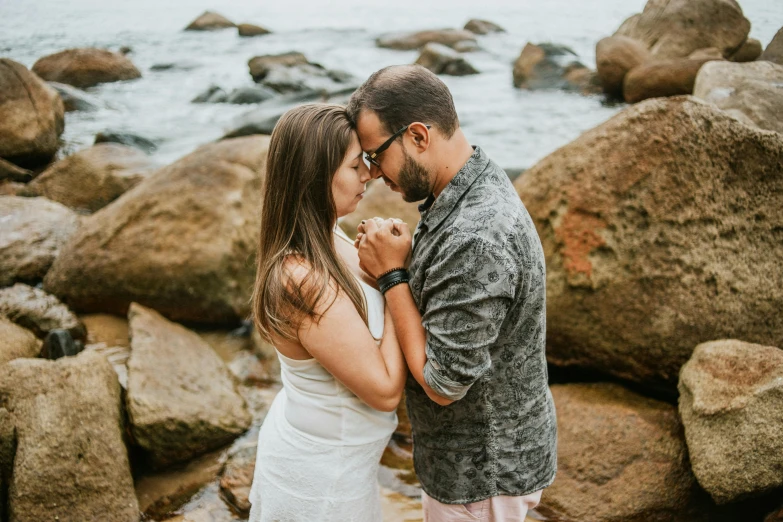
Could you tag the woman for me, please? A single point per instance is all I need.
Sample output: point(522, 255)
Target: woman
point(341, 365)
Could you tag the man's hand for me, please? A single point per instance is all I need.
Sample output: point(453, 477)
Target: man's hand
point(383, 245)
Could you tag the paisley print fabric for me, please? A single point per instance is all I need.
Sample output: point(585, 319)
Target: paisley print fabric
point(478, 278)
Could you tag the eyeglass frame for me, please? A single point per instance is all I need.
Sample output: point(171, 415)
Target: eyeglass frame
point(386, 144)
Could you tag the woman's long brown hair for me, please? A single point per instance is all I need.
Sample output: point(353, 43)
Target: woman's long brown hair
point(298, 215)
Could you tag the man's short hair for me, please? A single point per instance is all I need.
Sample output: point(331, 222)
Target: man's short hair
point(403, 94)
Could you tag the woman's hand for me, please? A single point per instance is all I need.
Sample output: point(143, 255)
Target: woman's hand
point(383, 247)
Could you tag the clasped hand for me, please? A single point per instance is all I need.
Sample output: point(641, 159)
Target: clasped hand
point(383, 244)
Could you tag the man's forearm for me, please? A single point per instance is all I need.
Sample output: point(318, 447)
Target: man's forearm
point(411, 335)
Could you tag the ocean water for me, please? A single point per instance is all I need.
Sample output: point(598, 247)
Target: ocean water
point(517, 128)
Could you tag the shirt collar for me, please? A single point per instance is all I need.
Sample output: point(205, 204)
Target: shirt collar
point(434, 210)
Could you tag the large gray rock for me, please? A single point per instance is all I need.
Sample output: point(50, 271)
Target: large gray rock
point(16, 342)
point(181, 242)
point(661, 230)
point(70, 462)
point(210, 21)
point(32, 233)
point(293, 73)
point(551, 66)
point(676, 28)
point(75, 99)
point(92, 178)
point(39, 312)
point(731, 404)
point(250, 30)
point(483, 27)
point(443, 60)
point(749, 51)
point(181, 398)
point(85, 67)
point(774, 51)
point(621, 457)
point(416, 40)
point(750, 92)
point(31, 116)
point(661, 78)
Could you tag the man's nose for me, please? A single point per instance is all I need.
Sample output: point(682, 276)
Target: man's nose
point(375, 171)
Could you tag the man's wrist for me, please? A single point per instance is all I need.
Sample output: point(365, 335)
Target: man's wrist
point(392, 278)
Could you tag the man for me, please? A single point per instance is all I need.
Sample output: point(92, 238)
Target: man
point(470, 312)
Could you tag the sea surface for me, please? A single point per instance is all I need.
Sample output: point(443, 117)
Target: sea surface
point(517, 128)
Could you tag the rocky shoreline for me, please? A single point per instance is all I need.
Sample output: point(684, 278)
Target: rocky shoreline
point(132, 386)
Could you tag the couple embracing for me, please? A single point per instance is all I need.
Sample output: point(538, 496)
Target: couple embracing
point(454, 314)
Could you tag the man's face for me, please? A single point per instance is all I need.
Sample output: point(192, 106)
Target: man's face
point(399, 170)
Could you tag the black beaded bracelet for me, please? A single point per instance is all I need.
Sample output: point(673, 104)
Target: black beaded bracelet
point(392, 278)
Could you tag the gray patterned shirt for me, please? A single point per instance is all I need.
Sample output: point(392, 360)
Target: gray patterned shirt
point(478, 279)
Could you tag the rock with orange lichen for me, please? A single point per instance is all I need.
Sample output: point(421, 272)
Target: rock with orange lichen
point(662, 230)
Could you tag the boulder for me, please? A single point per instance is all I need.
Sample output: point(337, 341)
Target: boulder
point(417, 40)
point(444, 60)
point(70, 462)
point(291, 72)
point(127, 139)
point(710, 53)
point(31, 116)
point(614, 57)
point(75, 99)
point(85, 67)
point(10, 188)
point(236, 478)
point(260, 66)
point(214, 94)
point(181, 399)
point(661, 78)
point(750, 92)
point(175, 66)
point(33, 233)
point(92, 178)
point(621, 457)
point(483, 27)
point(181, 242)
point(210, 21)
point(249, 30)
point(39, 312)
point(548, 66)
point(381, 201)
point(731, 404)
point(16, 342)
point(748, 52)
point(676, 28)
point(661, 230)
point(774, 51)
point(9, 171)
point(246, 95)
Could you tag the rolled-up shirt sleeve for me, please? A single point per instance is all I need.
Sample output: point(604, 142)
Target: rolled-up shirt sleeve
point(467, 293)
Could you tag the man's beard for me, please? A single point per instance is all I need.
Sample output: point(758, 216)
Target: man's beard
point(414, 180)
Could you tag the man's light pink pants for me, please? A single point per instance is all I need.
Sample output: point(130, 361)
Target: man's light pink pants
point(495, 509)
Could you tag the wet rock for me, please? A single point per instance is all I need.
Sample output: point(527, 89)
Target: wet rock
point(261, 66)
point(214, 94)
point(466, 46)
point(661, 78)
point(85, 67)
point(31, 116)
point(180, 242)
point(749, 92)
point(249, 30)
point(291, 72)
point(774, 51)
point(547, 66)
point(658, 226)
point(127, 139)
point(16, 342)
point(175, 66)
point(621, 457)
point(731, 404)
point(483, 27)
point(181, 398)
point(39, 312)
point(75, 99)
point(381, 201)
point(749, 51)
point(70, 463)
point(676, 28)
point(245, 95)
point(92, 178)
point(410, 41)
point(444, 60)
point(210, 21)
point(59, 343)
point(13, 172)
point(237, 476)
point(614, 57)
point(33, 233)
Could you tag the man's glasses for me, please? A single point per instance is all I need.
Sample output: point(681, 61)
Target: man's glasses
point(385, 145)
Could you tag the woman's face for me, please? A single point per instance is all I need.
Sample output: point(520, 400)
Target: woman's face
point(350, 180)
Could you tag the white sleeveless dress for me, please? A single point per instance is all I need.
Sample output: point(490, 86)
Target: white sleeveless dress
point(320, 446)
